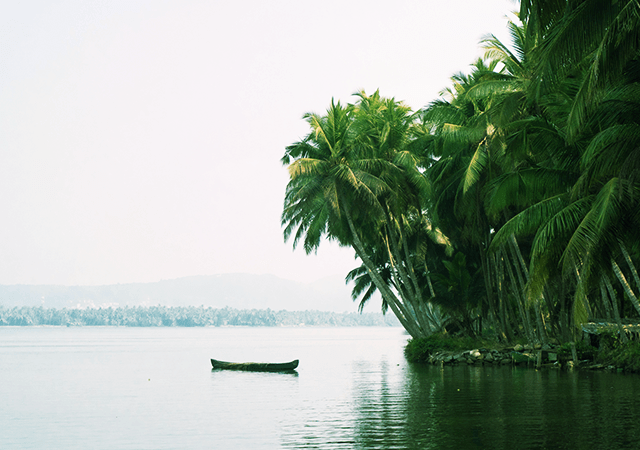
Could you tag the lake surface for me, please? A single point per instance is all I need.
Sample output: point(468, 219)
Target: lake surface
point(153, 388)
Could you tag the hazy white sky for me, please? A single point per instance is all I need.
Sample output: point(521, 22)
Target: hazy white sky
point(140, 140)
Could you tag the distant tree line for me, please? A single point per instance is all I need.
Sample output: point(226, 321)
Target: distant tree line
point(190, 316)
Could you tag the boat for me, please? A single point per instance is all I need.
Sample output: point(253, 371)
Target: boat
point(255, 367)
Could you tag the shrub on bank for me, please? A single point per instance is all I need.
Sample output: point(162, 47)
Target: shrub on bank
point(419, 350)
point(625, 356)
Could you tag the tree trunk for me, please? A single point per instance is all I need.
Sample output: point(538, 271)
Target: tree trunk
point(606, 303)
point(408, 285)
point(403, 288)
point(542, 331)
point(505, 334)
point(625, 286)
point(490, 266)
point(632, 267)
point(524, 315)
point(408, 322)
point(614, 302)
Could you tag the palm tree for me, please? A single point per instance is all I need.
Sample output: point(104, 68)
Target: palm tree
point(469, 155)
point(603, 36)
point(585, 227)
point(529, 168)
point(354, 179)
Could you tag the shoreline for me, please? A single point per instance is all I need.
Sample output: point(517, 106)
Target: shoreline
point(550, 357)
point(611, 355)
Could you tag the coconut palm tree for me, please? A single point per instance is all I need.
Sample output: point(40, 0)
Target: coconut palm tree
point(603, 36)
point(583, 227)
point(356, 180)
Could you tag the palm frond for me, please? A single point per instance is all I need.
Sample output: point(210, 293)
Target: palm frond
point(595, 227)
point(559, 228)
point(307, 167)
point(522, 188)
point(527, 222)
point(477, 165)
point(608, 150)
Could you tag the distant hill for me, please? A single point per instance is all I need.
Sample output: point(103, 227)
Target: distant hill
point(240, 291)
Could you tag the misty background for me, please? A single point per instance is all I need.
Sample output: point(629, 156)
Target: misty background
point(240, 291)
point(140, 140)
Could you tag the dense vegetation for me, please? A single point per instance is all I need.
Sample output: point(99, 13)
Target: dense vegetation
point(508, 208)
point(192, 316)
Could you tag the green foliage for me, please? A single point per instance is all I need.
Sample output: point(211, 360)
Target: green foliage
point(626, 356)
point(357, 178)
point(528, 167)
point(583, 350)
point(419, 350)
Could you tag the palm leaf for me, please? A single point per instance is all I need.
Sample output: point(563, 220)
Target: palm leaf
point(596, 226)
point(608, 150)
point(522, 188)
point(527, 222)
point(477, 165)
point(559, 228)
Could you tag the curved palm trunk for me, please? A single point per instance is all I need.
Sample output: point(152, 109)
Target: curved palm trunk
point(629, 261)
point(524, 313)
point(407, 284)
point(400, 280)
point(423, 258)
point(581, 308)
point(625, 285)
point(615, 315)
point(506, 333)
point(488, 266)
point(429, 319)
point(398, 308)
point(536, 337)
point(426, 270)
point(614, 302)
point(542, 332)
point(406, 297)
point(605, 302)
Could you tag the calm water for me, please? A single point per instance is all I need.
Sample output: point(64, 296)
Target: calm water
point(152, 388)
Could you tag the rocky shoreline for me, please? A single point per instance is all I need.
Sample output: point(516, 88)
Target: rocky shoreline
point(537, 356)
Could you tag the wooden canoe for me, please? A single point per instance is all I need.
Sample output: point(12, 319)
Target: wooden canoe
point(255, 367)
